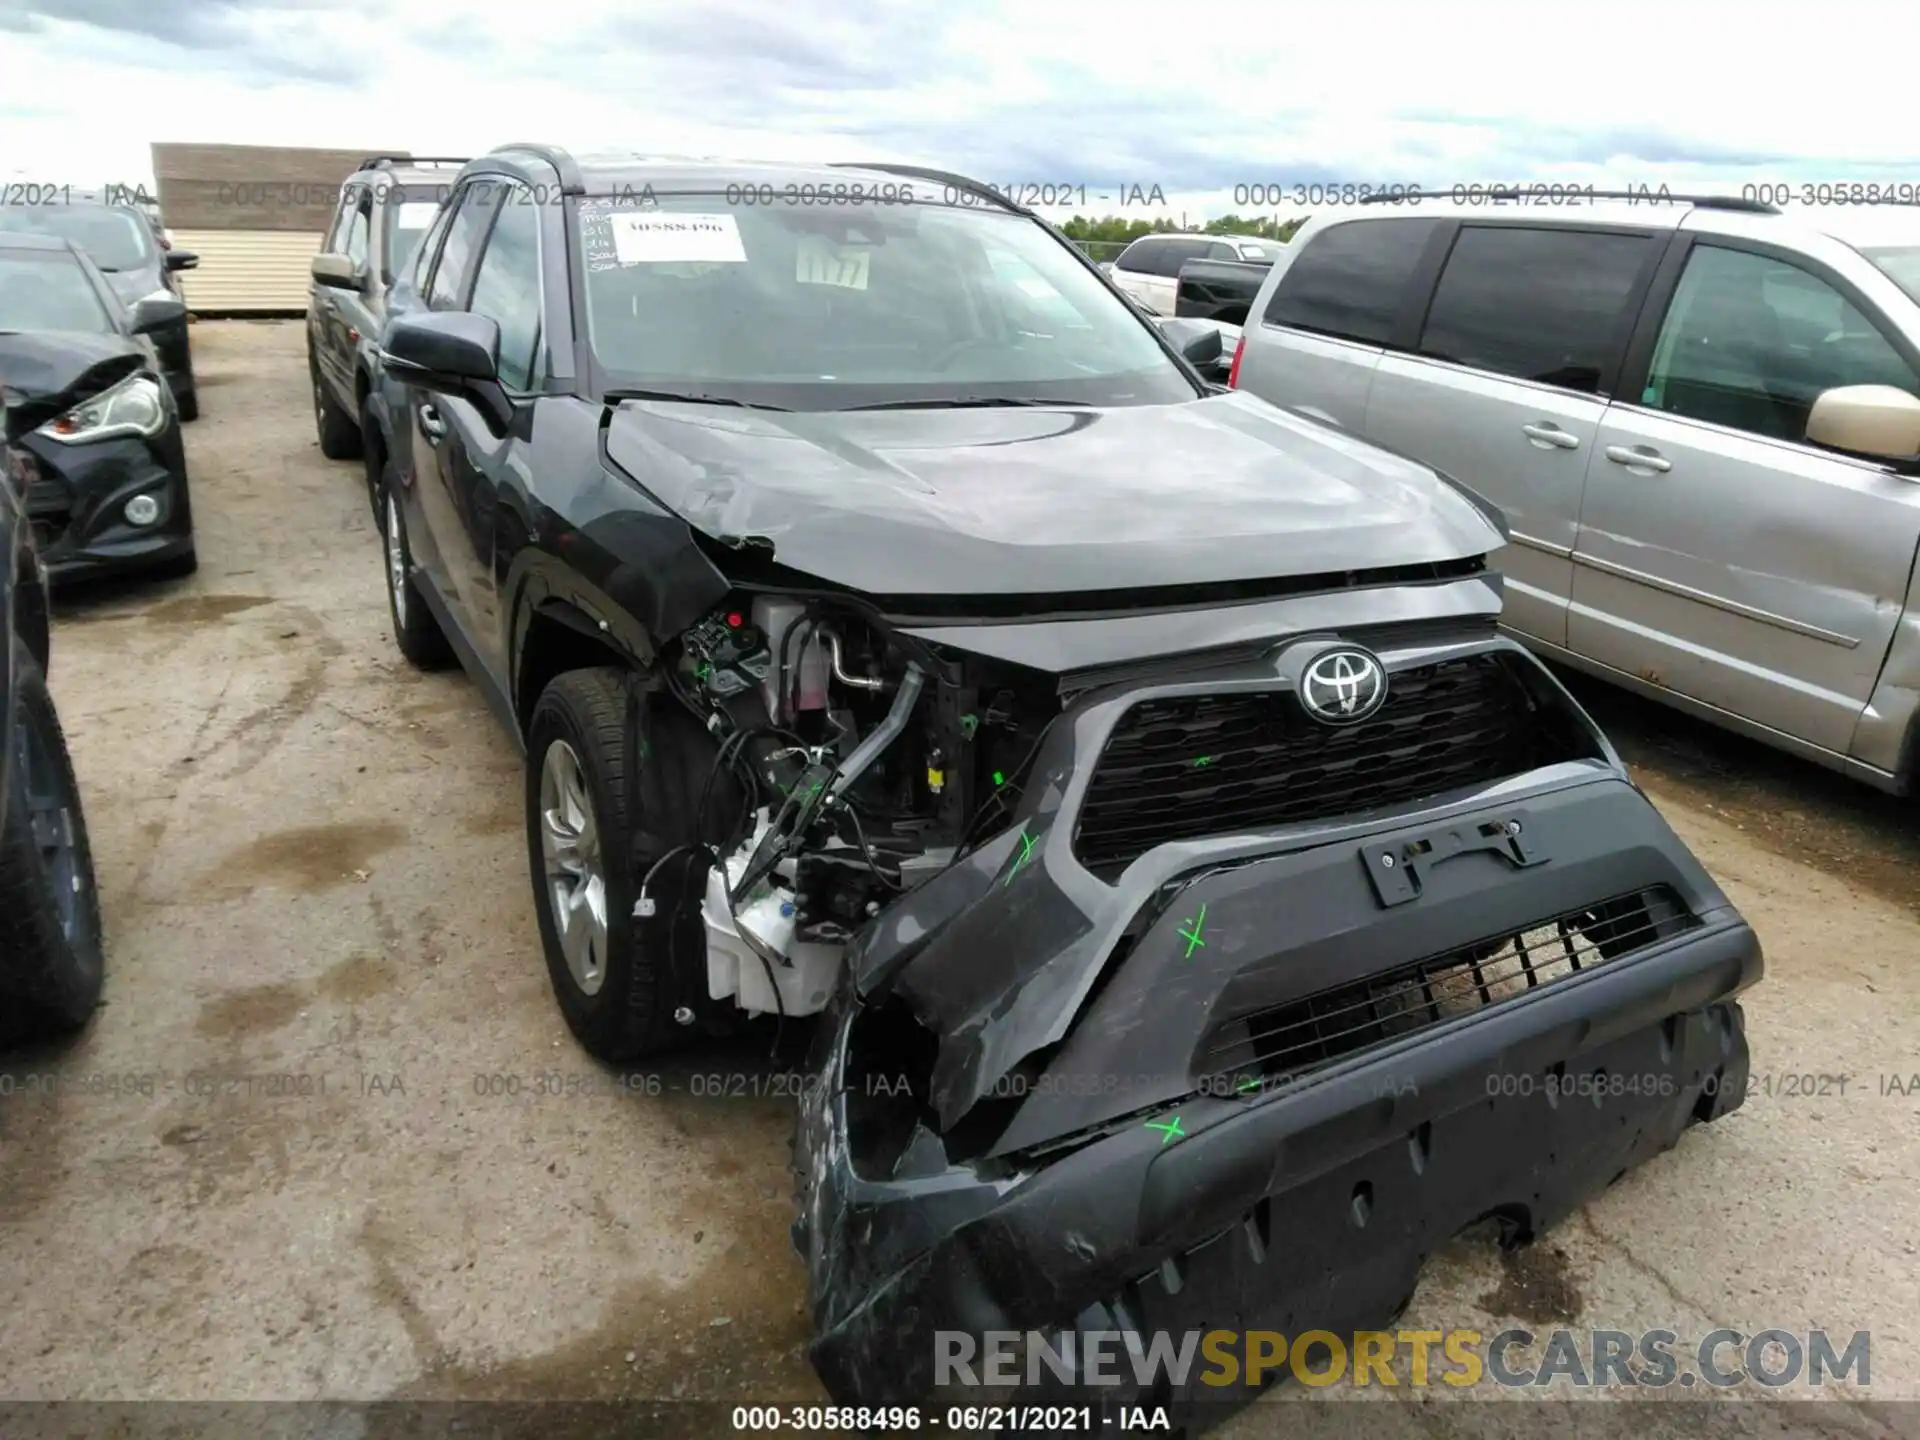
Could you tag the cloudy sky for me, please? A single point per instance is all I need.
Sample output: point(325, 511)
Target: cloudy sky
point(1194, 99)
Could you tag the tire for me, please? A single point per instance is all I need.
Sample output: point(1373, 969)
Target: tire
point(187, 401)
point(415, 630)
point(339, 435)
point(624, 1007)
point(52, 957)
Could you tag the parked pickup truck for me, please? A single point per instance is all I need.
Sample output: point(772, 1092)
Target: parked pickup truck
point(1219, 289)
point(1218, 293)
point(1149, 269)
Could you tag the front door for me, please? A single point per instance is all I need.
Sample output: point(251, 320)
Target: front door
point(1722, 556)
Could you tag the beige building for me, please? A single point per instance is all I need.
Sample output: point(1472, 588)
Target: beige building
point(255, 215)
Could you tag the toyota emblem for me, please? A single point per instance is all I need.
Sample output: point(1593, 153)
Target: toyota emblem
point(1343, 686)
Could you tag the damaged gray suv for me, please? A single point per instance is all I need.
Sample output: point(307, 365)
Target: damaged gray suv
point(1204, 911)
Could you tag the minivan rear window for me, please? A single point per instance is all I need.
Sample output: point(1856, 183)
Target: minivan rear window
point(1348, 279)
point(1536, 304)
point(1901, 265)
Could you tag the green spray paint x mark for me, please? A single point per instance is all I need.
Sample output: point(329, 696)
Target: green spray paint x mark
point(1026, 849)
point(1192, 936)
point(1170, 1130)
point(1203, 760)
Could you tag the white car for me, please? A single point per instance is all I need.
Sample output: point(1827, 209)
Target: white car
point(1149, 268)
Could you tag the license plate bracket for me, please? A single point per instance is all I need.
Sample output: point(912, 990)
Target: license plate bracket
point(1399, 868)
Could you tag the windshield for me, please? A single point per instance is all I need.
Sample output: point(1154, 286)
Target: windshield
point(829, 306)
point(116, 238)
point(48, 291)
point(1901, 264)
point(414, 207)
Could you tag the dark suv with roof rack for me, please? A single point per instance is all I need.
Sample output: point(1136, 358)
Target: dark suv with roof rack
point(385, 207)
point(1125, 772)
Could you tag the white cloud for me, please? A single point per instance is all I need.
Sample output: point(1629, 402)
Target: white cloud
point(1195, 101)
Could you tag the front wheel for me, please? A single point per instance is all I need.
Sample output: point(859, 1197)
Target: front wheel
point(52, 957)
point(415, 630)
point(627, 986)
point(339, 434)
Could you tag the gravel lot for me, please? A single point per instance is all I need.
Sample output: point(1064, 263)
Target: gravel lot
point(312, 866)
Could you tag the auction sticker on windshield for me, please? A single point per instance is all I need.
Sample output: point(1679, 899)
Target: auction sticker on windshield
point(818, 261)
point(655, 237)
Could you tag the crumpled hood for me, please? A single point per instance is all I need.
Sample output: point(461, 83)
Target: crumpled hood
point(43, 373)
point(1032, 501)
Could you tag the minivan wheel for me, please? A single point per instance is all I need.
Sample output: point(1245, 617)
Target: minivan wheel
point(52, 958)
point(339, 434)
point(627, 986)
point(415, 630)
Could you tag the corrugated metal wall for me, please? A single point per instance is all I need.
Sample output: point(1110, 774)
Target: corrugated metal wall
point(247, 271)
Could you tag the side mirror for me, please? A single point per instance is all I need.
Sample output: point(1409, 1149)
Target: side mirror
point(1875, 420)
point(1199, 343)
point(155, 313)
point(443, 349)
point(339, 271)
point(182, 260)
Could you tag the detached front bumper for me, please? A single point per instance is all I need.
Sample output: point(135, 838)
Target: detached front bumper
point(77, 496)
point(1336, 1079)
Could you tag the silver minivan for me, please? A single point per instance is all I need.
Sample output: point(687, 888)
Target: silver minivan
point(1701, 418)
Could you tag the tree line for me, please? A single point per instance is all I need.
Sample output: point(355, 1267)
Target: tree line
point(1113, 229)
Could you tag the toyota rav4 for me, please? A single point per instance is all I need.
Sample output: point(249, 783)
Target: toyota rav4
point(1206, 912)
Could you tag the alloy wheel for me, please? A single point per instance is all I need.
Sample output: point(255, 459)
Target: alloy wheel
point(575, 872)
point(396, 561)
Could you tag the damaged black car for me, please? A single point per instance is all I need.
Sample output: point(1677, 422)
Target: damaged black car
point(1204, 912)
point(102, 468)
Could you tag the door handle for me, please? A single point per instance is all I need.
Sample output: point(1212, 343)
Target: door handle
point(1639, 457)
point(1546, 433)
point(431, 422)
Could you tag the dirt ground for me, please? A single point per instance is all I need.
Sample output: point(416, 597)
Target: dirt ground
point(312, 867)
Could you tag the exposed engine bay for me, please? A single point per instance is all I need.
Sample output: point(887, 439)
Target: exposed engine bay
point(870, 763)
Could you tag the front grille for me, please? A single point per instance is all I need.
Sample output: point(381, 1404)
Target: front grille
point(1191, 766)
point(1286, 1042)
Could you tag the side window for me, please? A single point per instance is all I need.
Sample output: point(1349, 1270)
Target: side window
point(335, 239)
point(1541, 305)
point(1138, 257)
point(429, 248)
point(1348, 280)
point(1177, 253)
point(1750, 341)
point(474, 209)
point(506, 288)
point(355, 245)
point(1219, 250)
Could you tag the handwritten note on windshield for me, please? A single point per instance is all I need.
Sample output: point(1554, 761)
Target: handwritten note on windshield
point(661, 237)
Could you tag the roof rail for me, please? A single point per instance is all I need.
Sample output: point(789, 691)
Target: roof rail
point(945, 177)
point(1575, 193)
point(571, 182)
point(392, 162)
